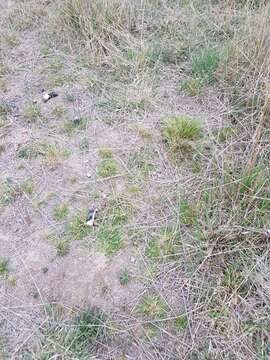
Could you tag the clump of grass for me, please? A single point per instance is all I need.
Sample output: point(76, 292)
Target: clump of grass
point(8, 192)
point(192, 86)
point(61, 243)
point(53, 153)
point(4, 268)
point(150, 331)
point(62, 247)
point(59, 79)
point(6, 107)
point(152, 306)
point(153, 249)
point(27, 152)
point(11, 39)
point(180, 132)
point(28, 187)
point(32, 113)
point(105, 153)
point(77, 124)
point(78, 228)
point(234, 280)
point(110, 239)
point(163, 244)
point(92, 22)
point(187, 212)
point(117, 211)
point(88, 326)
point(4, 69)
point(197, 163)
point(12, 281)
point(54, 65)
point(3, 85)
point(70, 97)
point(23, 16)
point(250, 181)
point(124, 277)
point(60, 212)
point(143, 132)
point(141, 162)
point(59, 111)
point(134, 189)
point(181, 322)
point(107, 168)
point(73, 339)
point(204, 65)
point(225, 134)
point(84, 144)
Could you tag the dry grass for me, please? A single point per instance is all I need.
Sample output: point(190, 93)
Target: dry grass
point(192, 247)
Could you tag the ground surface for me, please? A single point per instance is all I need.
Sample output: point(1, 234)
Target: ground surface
point(56, 266)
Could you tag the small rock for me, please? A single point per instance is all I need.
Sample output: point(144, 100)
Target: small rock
point(46, 96)
point(88, 174)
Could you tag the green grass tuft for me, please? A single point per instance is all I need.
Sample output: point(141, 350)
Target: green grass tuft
point(27, 152)
point(8, 192)
point(71, 126)
point(84, 144)
point(4, 69)
point(28, 187)
point(141, 162)
point(124, 277)
point(187, 213)
point(152, 306)
point(6, 107)
point(163, 244)
point(110, 239)
point(78, 228)
point(179, 132)
point(32, 113)
point(153, 249)
point(88, 326)
point(60, 212)
point(225, 134)
point(204, 65)
point(107, 168)
point(181, 322)
point(117, 211)
point(52, 153)
point(62, 247)
point(105, 153)
point(192, 86)
point(71, 339)
point(59, 111)
point(4, 268)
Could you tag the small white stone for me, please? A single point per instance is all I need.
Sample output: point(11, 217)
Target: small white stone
point(88, 174)
point(46, 97)
point(132, 259)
